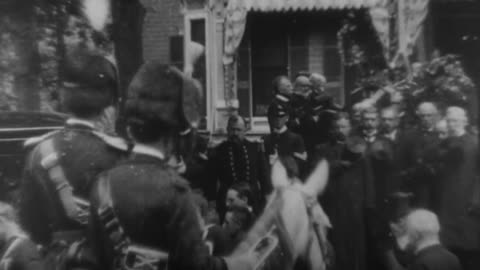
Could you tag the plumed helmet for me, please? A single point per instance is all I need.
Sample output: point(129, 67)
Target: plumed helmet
point(90, 82)
point(161, 94)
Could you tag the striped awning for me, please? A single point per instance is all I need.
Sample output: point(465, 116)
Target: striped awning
point(301, 5)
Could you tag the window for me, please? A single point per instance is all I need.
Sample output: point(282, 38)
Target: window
point(285, 44)
point(196, 31)
point(176, 51)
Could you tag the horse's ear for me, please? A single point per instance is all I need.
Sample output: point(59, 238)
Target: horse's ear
point(317, 181)
point(279, 175)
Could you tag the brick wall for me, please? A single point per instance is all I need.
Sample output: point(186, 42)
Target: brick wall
point(161, 22)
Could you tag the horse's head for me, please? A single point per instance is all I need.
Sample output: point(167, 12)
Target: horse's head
point(294, 217)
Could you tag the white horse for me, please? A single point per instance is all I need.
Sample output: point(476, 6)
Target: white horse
point(291, 232)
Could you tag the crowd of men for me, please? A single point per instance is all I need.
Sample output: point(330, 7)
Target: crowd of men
point(95, 201)
point(381, 167)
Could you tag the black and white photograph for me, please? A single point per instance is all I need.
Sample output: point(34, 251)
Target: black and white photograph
point(239, 135)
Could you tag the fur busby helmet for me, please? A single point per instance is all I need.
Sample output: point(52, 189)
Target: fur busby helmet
point(90, 82)
point(161, 99)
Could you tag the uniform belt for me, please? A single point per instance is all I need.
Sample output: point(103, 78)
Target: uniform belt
point(68, 236)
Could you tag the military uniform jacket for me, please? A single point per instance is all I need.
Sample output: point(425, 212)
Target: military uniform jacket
point(154, 206)
point(82, 154)
point(233, 163)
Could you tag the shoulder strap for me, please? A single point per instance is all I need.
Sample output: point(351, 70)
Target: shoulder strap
point(109, 219)
point(51, 163)
point(36, 140)
point(115, 142)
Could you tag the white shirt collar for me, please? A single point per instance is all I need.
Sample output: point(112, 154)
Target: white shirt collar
point(82, 122)
point(148, 150)
point(281, 131)
point(393, 135)
point(282, 98)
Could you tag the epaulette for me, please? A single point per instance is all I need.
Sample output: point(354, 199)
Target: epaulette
point(30, 142)
point(115, 142)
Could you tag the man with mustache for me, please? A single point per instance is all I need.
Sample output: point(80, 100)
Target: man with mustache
point(239, 160)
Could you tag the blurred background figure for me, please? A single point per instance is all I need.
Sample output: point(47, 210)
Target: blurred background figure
point(238, 221)
point(428, 115)
point(441, 129)
point(457, 189)
point(418, 235)
point(239, 195)
point(318, 82)
point(18, 252)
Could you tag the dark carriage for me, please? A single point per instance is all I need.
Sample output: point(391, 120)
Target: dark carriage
point(15, 128)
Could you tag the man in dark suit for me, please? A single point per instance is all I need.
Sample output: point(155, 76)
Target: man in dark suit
point(239, 160)
point(418, 234)
point(390, 122)
point(378, 153)
point(283, 142)
point(420, 156)
point(282, 94)
point(458, 189)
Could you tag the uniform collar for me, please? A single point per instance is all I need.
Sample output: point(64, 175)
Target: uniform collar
point(148, 151)
point(80, 122)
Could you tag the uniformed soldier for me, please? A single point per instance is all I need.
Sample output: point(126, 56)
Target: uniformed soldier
point(239, 160)
point(282, 141)
point(62, 166)
point(142, 210)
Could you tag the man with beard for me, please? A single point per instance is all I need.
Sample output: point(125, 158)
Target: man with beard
point(457, 190)
point(349, 196)
point(421, 149)
point(417, 234)
point(282, 94)
point(300, 103)
point(391, 132)
point(239, 160)
point(379, 156)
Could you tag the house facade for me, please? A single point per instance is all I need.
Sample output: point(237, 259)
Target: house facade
point(279, 37)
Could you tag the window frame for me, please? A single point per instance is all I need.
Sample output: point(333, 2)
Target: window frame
point(188, 17)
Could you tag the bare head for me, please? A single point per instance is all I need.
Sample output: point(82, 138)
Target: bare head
point(318, 82)
point(428, 114)
point(343, 125)
point(236, 128)
point(370, 119)
point(441, 129)
point(457, 121)
point(390, 118)
point(282, 85)
point(302, 86)
point(419, 229)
